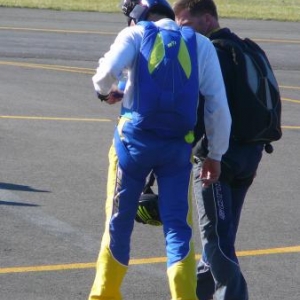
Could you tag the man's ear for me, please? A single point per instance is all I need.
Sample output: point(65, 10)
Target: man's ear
point(207, 18)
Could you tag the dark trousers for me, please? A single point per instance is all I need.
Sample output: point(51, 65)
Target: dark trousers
point(219, 208)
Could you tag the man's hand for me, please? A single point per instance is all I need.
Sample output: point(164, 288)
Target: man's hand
point(113, 97)
point(211, 170)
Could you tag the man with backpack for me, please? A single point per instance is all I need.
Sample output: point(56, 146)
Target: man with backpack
point(167, 66)
point(254, 102)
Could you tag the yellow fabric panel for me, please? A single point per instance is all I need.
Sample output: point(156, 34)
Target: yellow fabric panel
point(109, 277)
point(182, 279)
point(157, 54)
point(184, 58)
point(111, 182)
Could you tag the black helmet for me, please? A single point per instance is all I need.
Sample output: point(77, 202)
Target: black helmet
point(148, 211)
point(138, 10)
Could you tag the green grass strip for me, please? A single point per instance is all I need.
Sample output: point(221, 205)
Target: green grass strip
point(287, 10)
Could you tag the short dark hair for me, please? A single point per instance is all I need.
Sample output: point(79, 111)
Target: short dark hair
point(196, 7)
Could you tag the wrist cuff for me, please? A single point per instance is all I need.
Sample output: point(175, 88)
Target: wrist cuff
point(102, 97)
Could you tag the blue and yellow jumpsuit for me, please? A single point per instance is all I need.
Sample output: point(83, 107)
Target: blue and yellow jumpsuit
point(136, 151)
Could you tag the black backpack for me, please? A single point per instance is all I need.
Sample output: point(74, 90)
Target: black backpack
point(256, 104)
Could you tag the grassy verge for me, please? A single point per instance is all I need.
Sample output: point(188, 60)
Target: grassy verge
point(283, 10)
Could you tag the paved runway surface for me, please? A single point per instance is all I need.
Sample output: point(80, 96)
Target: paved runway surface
point(54, 139)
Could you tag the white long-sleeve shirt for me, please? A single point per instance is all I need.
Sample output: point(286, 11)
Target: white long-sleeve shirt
point(123, 55)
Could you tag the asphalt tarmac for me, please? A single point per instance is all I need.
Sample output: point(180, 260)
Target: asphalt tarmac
point(54, 139)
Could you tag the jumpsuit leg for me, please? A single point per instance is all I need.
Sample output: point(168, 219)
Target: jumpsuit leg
point(219, 257)
point(122, 199)
point(100, 289)
point(175, 204)
point(219, 207)
point(219, 266)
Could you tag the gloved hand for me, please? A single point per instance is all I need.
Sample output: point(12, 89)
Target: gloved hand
point(113, 97)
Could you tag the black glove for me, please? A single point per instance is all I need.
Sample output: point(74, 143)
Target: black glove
point(102, 97)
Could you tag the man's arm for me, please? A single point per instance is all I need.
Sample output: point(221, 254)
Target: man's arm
point(217, 118)
point(120, 56)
